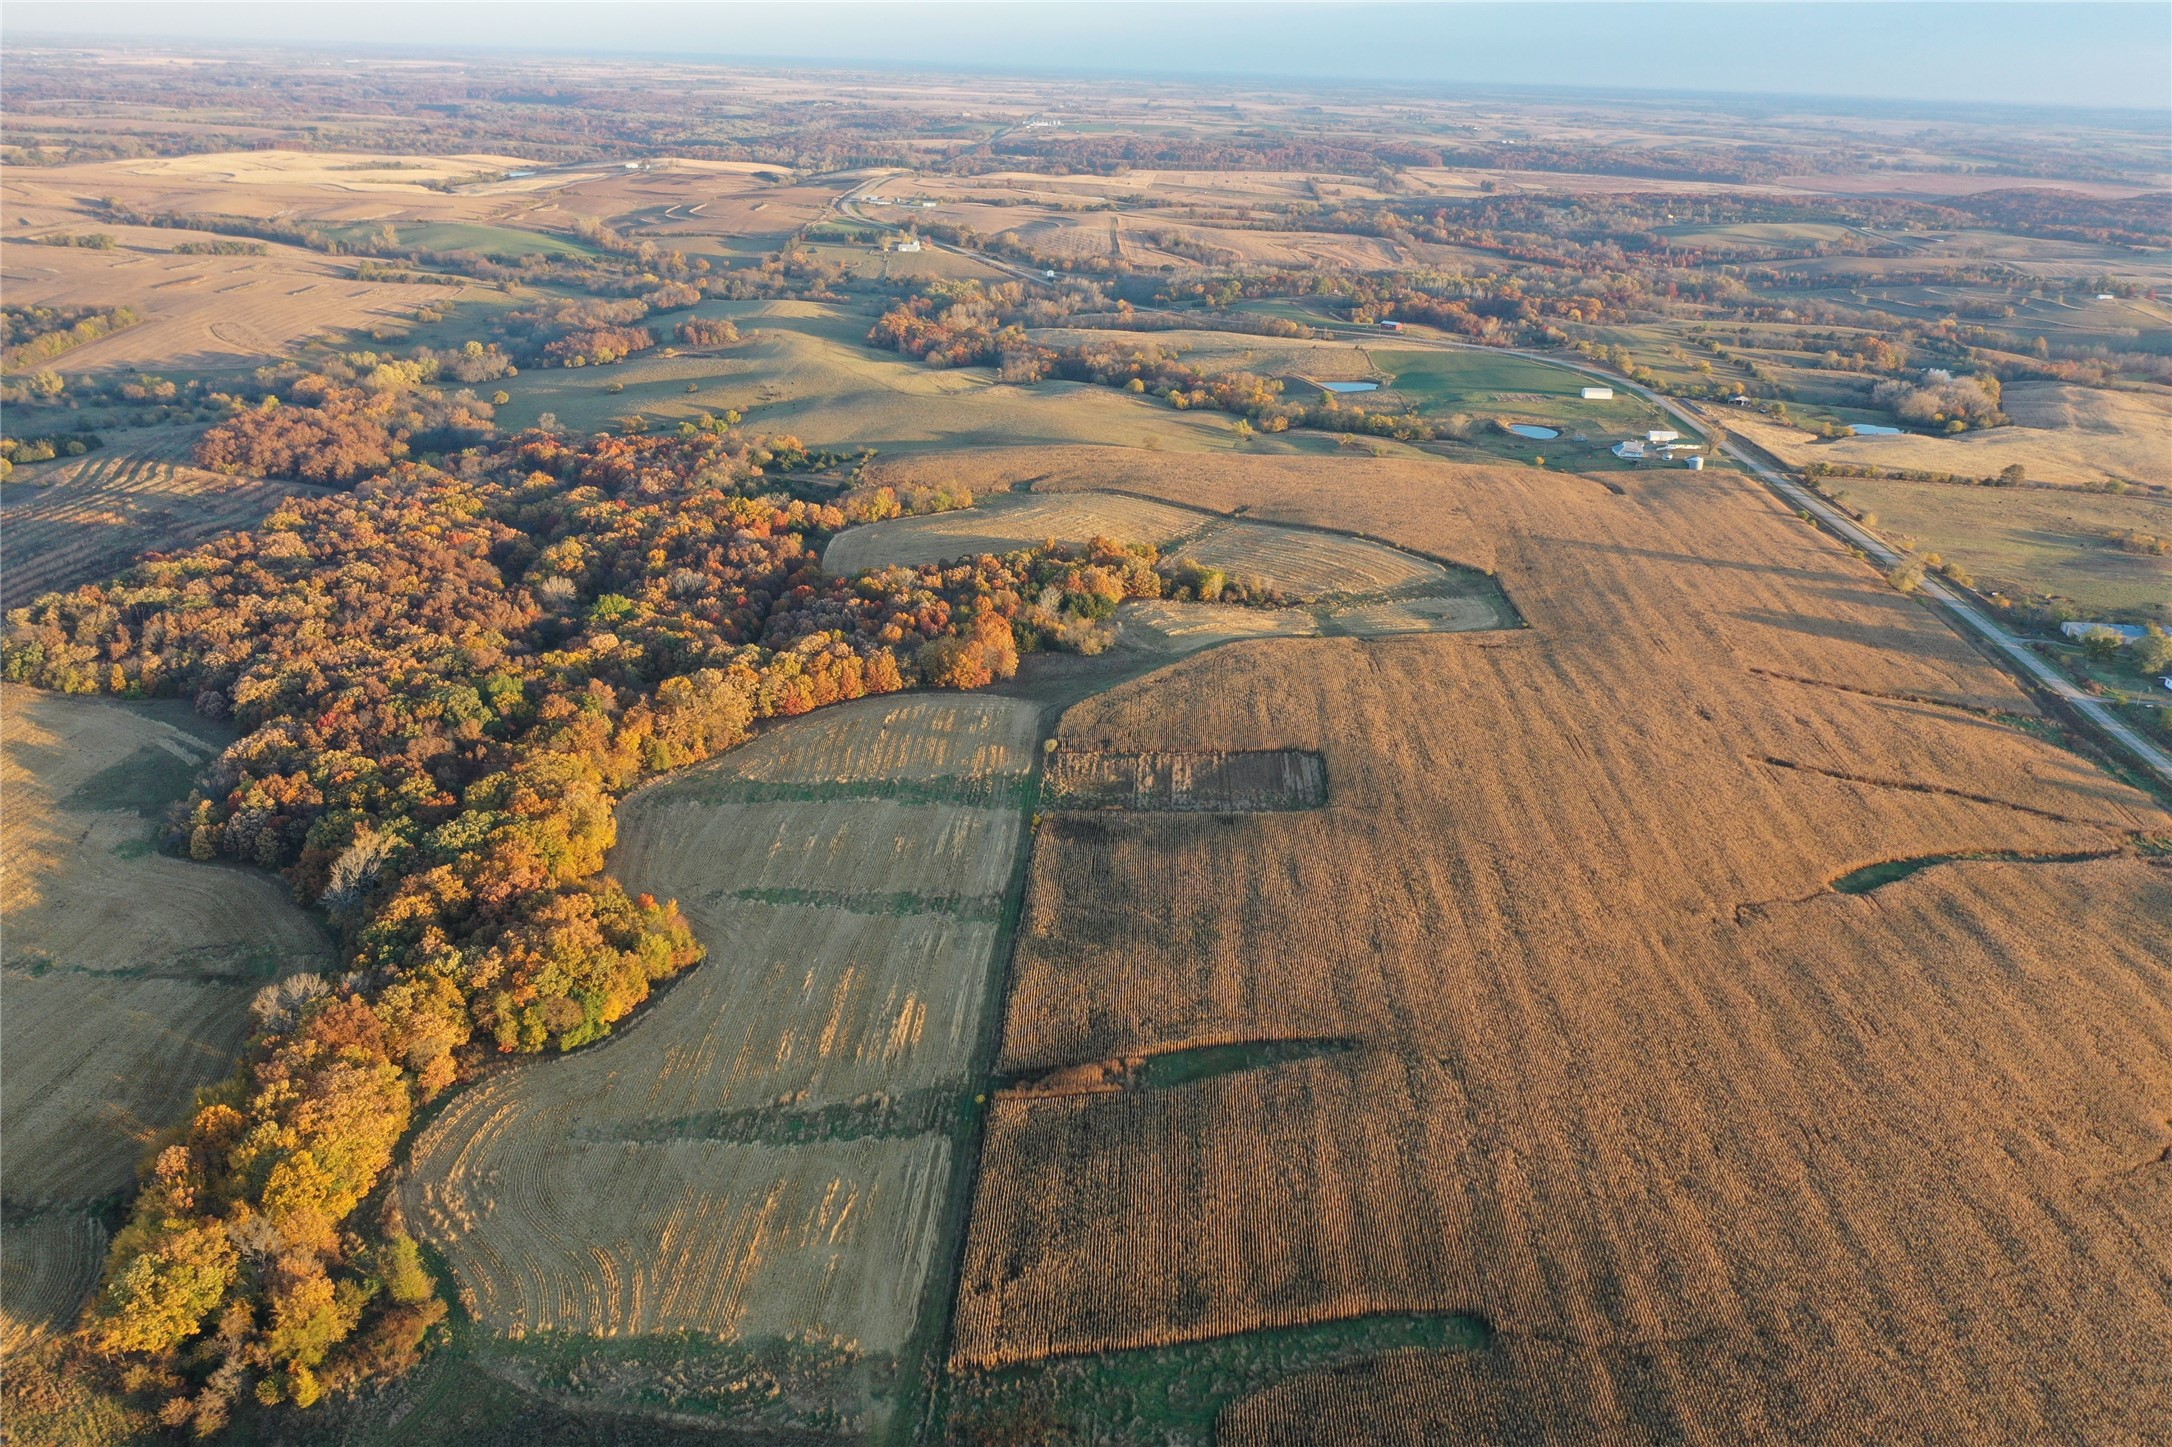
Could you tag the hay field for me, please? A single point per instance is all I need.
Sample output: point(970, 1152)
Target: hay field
point(48, 1263)
point(1159, 626)
point(205, 313)
point(2030, 540)
point(78, 520)
point(1187, 627)
point(765, 1151)
point(1306, 564)
point(85, 781)
point(1715, 1147)
point(127, 979)
point(2060, 434)
point(98, 1066)
point(811, 375)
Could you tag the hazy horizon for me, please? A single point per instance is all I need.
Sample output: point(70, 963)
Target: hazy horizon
point(2096, 56)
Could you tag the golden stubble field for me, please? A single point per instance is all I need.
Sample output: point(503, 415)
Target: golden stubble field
point(764, 1153)
point(1723, 1153)
point(127, 978)
point(79, 520)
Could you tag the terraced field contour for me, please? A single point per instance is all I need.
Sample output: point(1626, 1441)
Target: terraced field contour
point(763, 1154)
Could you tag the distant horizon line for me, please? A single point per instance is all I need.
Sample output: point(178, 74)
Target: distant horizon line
point(2136, 117)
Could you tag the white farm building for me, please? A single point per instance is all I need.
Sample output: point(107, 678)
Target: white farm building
point(1598, 394)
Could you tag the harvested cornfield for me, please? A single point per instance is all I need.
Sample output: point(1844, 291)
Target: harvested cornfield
point(1185, 782)
point(1004, 524)
point(49, 1261)
point(1630, 1076)
point(764, 1153)
point(75, 522)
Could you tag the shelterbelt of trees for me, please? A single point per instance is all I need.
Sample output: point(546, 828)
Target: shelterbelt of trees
point(447, 676)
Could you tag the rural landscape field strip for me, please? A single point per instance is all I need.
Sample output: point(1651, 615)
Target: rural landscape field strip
point(767, 1152)
point(127, 982)
point(1521, 901)
point(73, 523)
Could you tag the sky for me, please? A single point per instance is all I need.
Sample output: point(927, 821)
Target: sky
point(2066, 54)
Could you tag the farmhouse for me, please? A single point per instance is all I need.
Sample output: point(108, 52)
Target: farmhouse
point(1631, 449)
point(910, 243)
point(1391, 326)
point(2125, 632)
point(1598, 394)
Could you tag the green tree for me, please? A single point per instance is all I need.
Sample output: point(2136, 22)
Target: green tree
point(160, 1299)
point(2153, 653)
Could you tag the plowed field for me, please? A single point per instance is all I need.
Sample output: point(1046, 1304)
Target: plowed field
point(1723, 1154)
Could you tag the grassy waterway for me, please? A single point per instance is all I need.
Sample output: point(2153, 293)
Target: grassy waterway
point(1174, 1394)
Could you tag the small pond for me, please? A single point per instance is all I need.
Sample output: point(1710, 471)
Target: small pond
point(1349, 386)
point(1525, 429)
point(1871, 429)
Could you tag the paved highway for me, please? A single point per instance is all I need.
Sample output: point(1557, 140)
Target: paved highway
point(2004, 646)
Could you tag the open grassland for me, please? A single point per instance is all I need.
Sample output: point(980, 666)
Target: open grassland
point(2021, 541)
point(2060, 434)
point(1711, 1143)
point(77, 520)
point(127, 979)
point(766, 1154)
